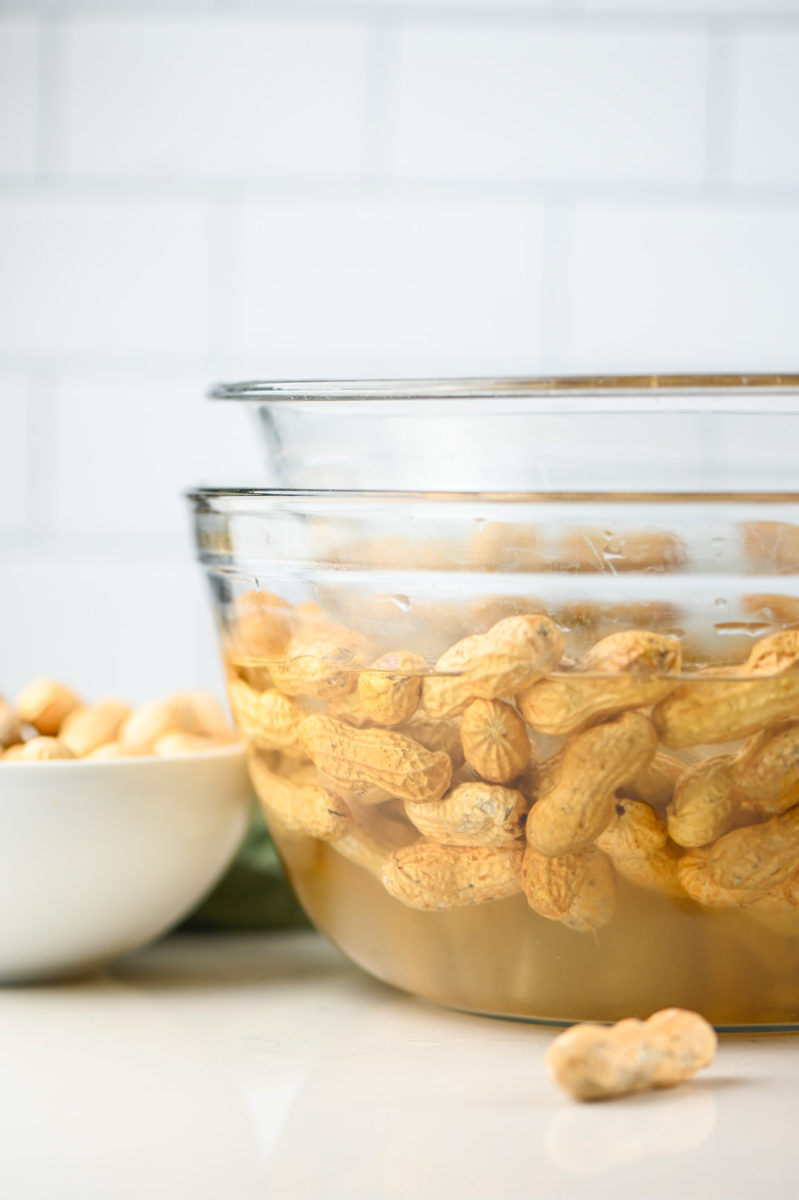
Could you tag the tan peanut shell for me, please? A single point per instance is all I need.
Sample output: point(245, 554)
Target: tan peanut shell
point(380, 757)
point(88, 727)
point(320, 661)
point(694, 873)
point(623, 670)
point(261, 626)
point(151, 720)
point(655, 783)
point(495, 740)
point(593, 1062)
point(766, 775)
point(593, 764)
point(365, 847)
point(389, 690)
point(756, 856)
point(298, 808)
point(472, 814)
point(577, 889)
point(435, 735)
point(641, 550)
point(269, 720)
point(178, 742)
point(704, 805)
point(10, 732)
point(39, 749)
point(637, 843)
point(429, 876)
point(716, 708)
point(115, 750)
point(487, 666)
point(45, 704)
point(210, 719)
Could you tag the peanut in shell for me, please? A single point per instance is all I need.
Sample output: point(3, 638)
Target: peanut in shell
point(432, 877)
point(495, 740)
point(472, 814)
point(578, 889)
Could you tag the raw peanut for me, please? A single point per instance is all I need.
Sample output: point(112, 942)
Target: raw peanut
point(39, 749)
point(430, 876)
point(381, 757)
point(389, 691)
point(508, 658)
point(435, 735)
point(596, 550)
point(298, 808)
point(88, 727)
point(771, 607)
point(704, 805)
point(261, 626)
point(655, 783)
point(693, 871)
point(577, 889)
point(718, 709)
point(348, 708)
point(592, 1062)
point(766, 775)
point(210, 718)
point(359, 792)
point(637, 842)
point(592, 766)
point(269, 720)
point(472, 814)
point(115, 750)
point(757, 857)
point(178, 742)
point(13, 753)
point(507, 546)
point(45, 704)
point(773, 543)
point(623, 670)
point(150, 721)
point(320, 661)
point(365, 848)
point(10, 733)
point(495, 740)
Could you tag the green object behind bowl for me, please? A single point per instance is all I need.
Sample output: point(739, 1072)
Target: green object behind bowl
point(254, 893)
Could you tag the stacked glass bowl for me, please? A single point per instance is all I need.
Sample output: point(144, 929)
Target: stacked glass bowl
point(518, 665)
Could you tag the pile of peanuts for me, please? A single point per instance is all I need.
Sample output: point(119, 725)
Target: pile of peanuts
point(49, 721)
point(510, 768)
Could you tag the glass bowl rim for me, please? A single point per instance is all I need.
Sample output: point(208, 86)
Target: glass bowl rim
point(493, 387)
point(205, 497)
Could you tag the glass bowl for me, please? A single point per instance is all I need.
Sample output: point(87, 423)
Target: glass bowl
point(535, 753)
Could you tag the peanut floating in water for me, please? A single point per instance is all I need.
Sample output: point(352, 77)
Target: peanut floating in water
point(495, 740)
point(578, 889)
point(595, 1062)
point(389, 760)
point(718, 709)
point(485, 666)
point(472, 814)
point(592, 766)
point(623, 670)
point(430, 876)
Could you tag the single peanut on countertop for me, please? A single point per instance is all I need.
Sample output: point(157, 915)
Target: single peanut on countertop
point(45, 704)
point(486, 666)
point(594, 1062)
point(578, 889)
point(623, 670)
point(593, 764)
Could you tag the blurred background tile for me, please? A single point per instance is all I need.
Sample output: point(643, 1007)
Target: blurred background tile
point(19, 68)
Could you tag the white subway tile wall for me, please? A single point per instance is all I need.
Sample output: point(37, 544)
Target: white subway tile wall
point(227, 189)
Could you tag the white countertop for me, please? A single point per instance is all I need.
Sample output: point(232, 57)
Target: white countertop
point(229, 1068)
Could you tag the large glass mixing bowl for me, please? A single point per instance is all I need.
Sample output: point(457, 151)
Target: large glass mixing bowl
point(531, 751)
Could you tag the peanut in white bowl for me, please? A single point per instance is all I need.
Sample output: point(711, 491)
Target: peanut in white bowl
point(100, 857)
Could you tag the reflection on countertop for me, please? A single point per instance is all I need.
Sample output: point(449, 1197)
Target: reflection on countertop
point(217, 1067)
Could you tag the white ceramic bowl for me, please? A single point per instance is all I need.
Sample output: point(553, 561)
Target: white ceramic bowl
point(99, 857)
